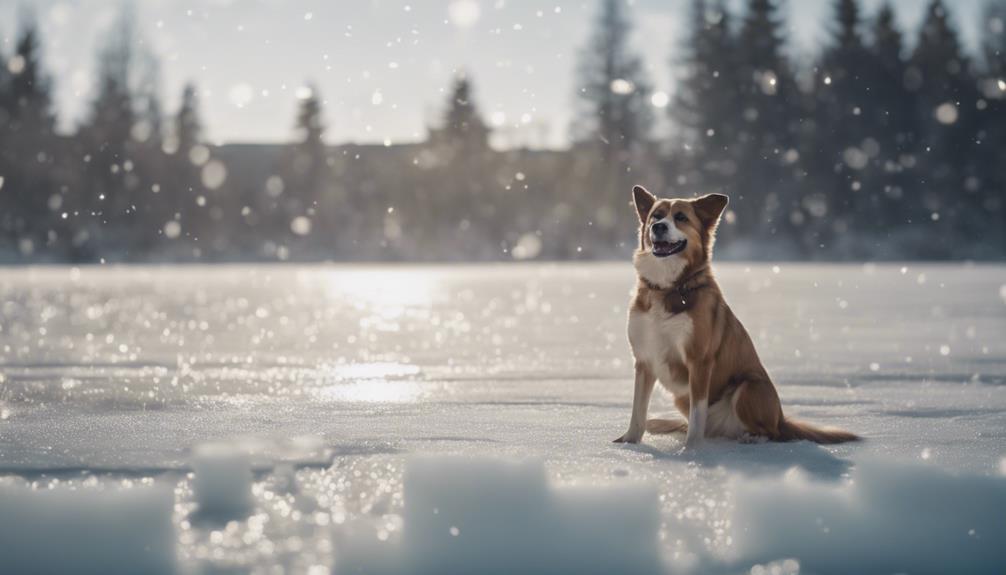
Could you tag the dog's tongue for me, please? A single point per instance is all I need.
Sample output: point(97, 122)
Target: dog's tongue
point(663, 249)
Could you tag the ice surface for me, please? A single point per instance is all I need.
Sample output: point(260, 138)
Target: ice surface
point(332, 378)
point(90, 530)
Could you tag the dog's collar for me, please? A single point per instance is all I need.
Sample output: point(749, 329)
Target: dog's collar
point(680, 296)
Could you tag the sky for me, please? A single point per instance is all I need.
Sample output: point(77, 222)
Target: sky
point(383, 67)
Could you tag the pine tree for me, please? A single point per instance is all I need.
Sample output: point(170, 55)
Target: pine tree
point(8, 236)
point(941, 75)
point(613, 87)
point(843, 145)
point(184, 186)
point(188, 127)
point(462, 177)
point(893, 103)
point(151, 168)
point(29, 89)
point(767, 194)
point(992, 150)
point(612, 126)
point(310, 127)
point(707, 104)
point(309, 176)
point(105, 203)
point(892, 114)
point(843, 71)
point(149, 112)
point(463, 125)
point(993, 43)
point(29, 157)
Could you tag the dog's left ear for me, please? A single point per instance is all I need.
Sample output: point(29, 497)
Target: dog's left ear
point(709, 208)
point(643, 201)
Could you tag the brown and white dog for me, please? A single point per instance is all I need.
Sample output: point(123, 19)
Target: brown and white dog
point(683, 334)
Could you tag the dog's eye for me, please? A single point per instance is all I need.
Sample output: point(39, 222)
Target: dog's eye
point(680, 217)
point(657, 216)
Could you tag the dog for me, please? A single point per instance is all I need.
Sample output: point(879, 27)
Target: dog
point(684, 335)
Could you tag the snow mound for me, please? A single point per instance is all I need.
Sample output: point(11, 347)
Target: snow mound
point(223, 481)
point(87, 531)
point(478, 515)
point(890, 518)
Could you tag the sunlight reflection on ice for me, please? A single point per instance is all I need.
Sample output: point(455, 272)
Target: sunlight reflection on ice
point(387, 296)
point(373, 383)
point(379, 370)
point(384, 289)
point(373, 391)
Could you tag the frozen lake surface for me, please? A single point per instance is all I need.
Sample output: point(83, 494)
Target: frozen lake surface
point(459, 419)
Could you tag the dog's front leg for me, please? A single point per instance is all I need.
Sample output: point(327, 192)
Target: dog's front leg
point(698, 390)
point(640, 404)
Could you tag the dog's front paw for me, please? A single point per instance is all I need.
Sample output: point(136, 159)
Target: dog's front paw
point(629, 438)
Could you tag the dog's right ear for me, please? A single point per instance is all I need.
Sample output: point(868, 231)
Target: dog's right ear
point(644, 201)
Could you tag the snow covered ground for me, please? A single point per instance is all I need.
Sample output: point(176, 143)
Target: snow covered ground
point(459, 419)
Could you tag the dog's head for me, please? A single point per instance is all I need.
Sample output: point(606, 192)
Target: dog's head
point(674, 234)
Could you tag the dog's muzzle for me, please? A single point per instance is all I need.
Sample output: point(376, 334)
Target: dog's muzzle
point(663, 244)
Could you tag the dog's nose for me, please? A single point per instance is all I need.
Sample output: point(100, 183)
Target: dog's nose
point(660, 228)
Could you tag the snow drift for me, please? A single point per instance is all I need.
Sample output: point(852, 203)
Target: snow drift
point(222, 482)
point(479, 515)
point(87, 531)
point(890, 518)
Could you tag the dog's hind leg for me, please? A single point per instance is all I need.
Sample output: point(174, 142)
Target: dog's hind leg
point(666, 426)
point(756, 404)
point(663, 426)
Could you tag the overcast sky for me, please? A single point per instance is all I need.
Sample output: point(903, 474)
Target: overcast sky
point(382, 66)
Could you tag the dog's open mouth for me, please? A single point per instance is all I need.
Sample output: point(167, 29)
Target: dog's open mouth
point(665, 249)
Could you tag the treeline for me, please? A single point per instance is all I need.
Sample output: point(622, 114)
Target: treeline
point(876, 148)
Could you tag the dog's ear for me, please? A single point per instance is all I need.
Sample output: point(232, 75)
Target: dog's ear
point(709, 208)
point(643, 201)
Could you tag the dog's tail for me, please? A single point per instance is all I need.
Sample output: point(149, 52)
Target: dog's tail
point(795, 430)
point(666, 426)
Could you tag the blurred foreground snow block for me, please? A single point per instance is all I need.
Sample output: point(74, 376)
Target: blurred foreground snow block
point(86, 531)
point(485, 516)
point(222, 482)
point(892, 518)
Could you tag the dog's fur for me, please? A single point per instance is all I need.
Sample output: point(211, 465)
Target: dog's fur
point(683, 334)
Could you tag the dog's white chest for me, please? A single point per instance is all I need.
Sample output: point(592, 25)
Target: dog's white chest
point(658, 339)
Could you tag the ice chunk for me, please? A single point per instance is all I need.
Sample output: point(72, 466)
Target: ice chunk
point(889, 518)
point(222, 483)
point(86, 531)
point(486, 516)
